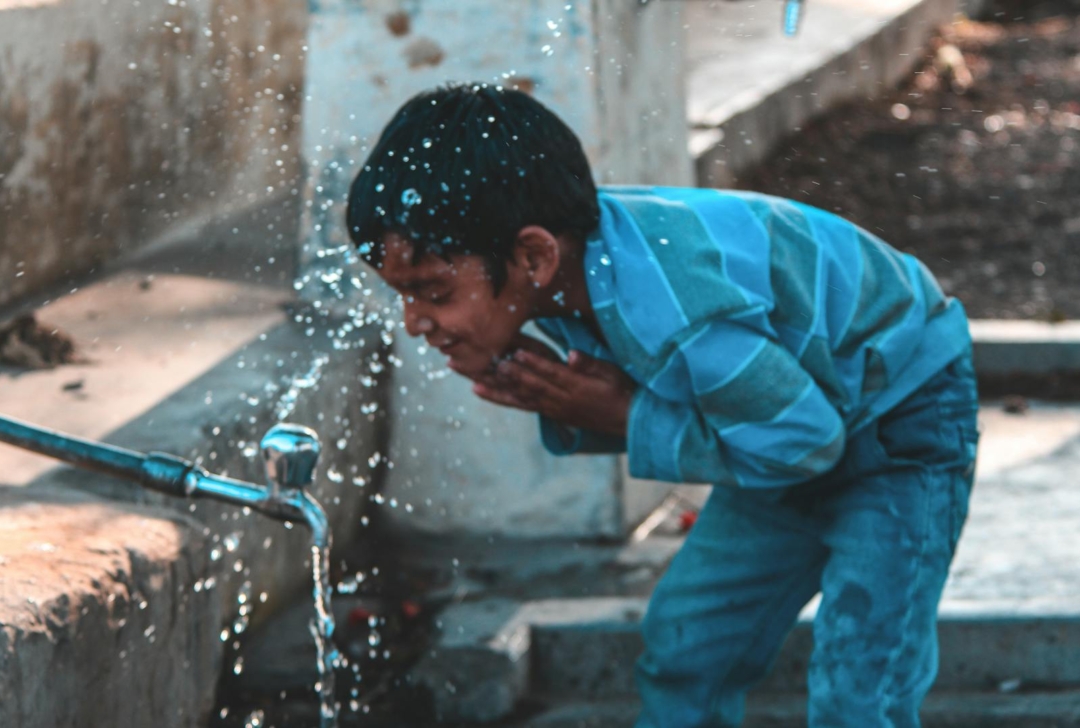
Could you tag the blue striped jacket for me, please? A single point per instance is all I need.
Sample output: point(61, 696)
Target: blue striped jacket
point(761, 332)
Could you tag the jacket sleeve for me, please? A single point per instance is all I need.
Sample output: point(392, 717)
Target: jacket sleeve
point(754, 416)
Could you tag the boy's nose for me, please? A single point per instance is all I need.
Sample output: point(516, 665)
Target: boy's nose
point(416, 325)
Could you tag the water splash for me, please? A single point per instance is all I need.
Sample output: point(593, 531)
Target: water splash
point(287, 404)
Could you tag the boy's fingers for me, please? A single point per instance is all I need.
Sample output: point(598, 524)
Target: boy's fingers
point(523, 342)
point(596, 368)
point(499, 396)
point(554, 372)
point(527, 382)
point(583, 363)
point(488, 380)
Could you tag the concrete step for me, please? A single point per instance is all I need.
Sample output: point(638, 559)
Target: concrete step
point(591, 656)
point(495, 652)
point(1031, 347)
point(779, 710)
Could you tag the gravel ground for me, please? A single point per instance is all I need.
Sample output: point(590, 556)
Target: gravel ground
point(972, 164)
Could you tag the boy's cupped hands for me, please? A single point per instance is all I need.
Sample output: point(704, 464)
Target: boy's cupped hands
point(582, 392)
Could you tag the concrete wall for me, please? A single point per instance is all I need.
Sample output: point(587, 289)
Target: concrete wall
point(123, 120)
point(612, 69)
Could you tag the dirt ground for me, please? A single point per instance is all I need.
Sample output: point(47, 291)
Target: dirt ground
point(973, 164)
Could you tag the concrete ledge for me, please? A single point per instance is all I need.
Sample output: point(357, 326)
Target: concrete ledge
point(97, 605)
point(492, 651)
point(941, 710)
point(1028, 347)
point(593, 656)
point(585, 649)
point(479, 668)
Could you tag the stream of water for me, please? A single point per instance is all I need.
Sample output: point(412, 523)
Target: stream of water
point(322, 629)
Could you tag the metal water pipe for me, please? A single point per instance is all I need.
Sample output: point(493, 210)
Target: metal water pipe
point(290, 454)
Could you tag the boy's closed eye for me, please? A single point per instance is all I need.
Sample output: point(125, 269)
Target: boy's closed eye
point(435, 296)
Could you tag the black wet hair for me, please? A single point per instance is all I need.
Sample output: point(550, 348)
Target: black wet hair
point(462, 168)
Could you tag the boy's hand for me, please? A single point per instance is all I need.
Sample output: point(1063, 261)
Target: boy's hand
point(583, 392)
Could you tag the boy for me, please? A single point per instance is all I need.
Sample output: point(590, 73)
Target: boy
point(816, 376)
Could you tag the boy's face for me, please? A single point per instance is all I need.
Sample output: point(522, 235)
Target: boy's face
point(453, 305)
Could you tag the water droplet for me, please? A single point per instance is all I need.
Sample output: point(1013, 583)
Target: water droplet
point(547, 50)
point(410, 197)
point(426, 144)
point(605, 260)
point(664, 241)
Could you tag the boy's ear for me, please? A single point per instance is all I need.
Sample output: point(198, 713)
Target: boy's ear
point(537, 254)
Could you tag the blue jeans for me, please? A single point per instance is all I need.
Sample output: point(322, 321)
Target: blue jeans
point(875, 536)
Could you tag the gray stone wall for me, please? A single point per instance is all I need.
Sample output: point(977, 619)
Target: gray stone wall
point(121, 121)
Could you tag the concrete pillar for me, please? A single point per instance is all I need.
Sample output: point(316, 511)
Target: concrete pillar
point(612, 69)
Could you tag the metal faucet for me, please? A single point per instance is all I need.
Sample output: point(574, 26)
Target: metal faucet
point(290, 453)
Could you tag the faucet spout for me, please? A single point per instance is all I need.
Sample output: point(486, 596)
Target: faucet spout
point(293, 505)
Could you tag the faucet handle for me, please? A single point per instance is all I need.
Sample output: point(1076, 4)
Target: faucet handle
point(290, 453)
